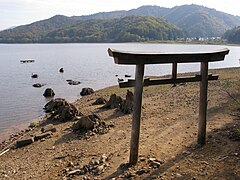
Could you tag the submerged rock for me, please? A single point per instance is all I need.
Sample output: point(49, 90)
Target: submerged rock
point(61, 70)
point(71, 82)
point(34, 75)
point(48, 93)
point(38, 85)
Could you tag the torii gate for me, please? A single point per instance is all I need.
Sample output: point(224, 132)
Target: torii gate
point(140, 59)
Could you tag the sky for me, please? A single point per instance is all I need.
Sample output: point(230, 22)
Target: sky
point(21, 12)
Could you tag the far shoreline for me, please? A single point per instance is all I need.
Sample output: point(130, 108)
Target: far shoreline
point(143, 42)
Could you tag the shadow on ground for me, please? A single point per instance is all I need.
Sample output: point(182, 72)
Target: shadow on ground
point(219, 159)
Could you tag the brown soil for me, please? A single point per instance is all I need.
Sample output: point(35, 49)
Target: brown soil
point(169, 128)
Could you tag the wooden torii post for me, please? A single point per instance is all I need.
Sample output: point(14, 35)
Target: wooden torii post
point(140, 59)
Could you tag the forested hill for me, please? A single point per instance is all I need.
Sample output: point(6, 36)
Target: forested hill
point(127, 29)
point(198, 21)
point(233, 35)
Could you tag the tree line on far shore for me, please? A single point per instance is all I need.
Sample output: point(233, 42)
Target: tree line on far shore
point(233, 35)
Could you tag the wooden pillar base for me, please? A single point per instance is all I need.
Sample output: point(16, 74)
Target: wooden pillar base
point(136, 118)
point(203, 104)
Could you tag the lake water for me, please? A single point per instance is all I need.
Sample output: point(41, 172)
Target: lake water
point(87, 63)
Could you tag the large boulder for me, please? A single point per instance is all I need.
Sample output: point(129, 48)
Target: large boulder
point(86, 91)
point(48, 93)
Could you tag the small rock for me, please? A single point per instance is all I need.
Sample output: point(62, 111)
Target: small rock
point(142, 159)
point(142, 171)
point(51, 148)
point(94, 162)
point(186, 152)
point(205, 162)
point(100, 168)
point(178, 175)
point(155, 164)
point(152, 159)
point(70, 164)
point(104, 158)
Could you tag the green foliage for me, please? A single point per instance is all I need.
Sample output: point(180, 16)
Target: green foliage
point(127, 29)
point(233, 35)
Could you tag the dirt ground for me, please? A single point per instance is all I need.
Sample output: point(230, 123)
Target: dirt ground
point(168, 138)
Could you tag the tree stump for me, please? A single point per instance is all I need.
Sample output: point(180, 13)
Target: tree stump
point(127, 105)
point(114, 102)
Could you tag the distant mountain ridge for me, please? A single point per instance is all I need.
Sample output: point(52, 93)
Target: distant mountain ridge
point(198, 21)
point(159, 24)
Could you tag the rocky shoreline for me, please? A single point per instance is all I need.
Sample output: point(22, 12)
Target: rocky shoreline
point(63, 147)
